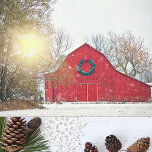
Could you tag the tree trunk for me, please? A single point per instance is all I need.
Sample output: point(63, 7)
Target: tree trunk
point(4, 83)
point(4, 72)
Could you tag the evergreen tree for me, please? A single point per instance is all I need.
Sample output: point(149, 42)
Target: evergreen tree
point(18, 18)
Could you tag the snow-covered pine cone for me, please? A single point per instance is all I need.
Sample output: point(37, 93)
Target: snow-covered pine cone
point(140, 145)
point(34, 124)
point(90, 148)
point(14, 136)
point(112, 143)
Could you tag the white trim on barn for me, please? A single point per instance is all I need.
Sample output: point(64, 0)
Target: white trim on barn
point(150, 84)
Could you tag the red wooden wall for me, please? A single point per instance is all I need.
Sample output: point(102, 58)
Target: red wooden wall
point(105, 84)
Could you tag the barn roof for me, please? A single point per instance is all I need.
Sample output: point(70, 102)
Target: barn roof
point(87, 45)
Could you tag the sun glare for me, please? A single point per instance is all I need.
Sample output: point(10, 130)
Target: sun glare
point(30, 44)
point(31, 54)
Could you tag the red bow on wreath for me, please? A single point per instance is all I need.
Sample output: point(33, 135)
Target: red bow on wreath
point(85, 59)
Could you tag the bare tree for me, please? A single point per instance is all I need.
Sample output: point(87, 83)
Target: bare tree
point(102, 44)
point(126, 52)
point(61, 42)
point(129, 53)
point(146, 76)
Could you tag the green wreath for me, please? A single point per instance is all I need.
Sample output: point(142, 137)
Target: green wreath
point(83, 72)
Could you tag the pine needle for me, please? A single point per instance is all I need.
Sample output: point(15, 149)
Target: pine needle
point(2, 127)
point(35, 142)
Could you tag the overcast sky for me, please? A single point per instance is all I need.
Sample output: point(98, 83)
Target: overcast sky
point(81, 18)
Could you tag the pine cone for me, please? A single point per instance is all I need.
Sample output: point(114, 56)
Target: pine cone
point(140, 145)
point(34, 124)
point(112, 143)
point(14, 135)
point(90, 148)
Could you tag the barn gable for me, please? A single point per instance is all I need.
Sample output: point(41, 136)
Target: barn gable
point(104, 84)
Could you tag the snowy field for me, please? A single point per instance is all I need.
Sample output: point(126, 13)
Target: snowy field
point(82, 109)
point(69, 134)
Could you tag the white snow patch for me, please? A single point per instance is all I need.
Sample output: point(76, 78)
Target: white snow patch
point(84, 109)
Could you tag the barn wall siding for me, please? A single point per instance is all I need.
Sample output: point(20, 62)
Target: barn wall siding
point(111, 84)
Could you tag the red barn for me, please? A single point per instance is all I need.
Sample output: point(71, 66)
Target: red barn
point(95, 79)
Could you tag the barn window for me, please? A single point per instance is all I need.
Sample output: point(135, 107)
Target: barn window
point(46, 84)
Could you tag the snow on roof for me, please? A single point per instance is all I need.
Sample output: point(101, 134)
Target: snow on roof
point(149, 84)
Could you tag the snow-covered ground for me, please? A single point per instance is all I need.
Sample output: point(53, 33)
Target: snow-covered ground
point(82, 109)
